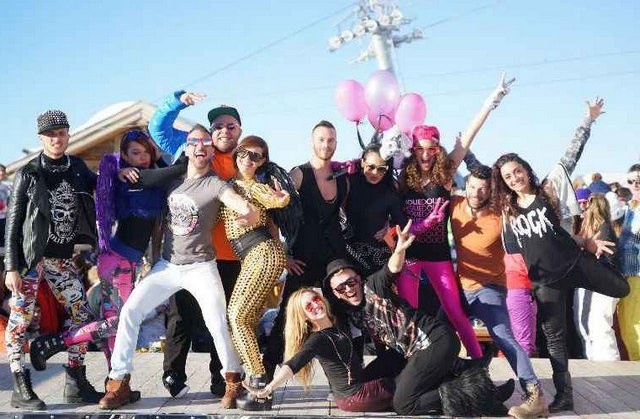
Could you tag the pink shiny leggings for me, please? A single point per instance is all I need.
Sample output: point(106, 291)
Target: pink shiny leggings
point(443, 280)
point(117, 275)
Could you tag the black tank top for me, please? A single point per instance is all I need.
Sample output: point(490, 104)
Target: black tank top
point(434, 244)
point(548, 250)
point(320, 239)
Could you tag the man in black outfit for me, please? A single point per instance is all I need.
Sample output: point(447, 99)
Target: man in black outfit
point(51, 210)
point(319, 239)
point(429, 346)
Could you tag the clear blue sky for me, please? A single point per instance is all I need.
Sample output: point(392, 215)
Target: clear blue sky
point(81, 56)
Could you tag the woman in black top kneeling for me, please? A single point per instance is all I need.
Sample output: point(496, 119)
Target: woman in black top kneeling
point(311, 332)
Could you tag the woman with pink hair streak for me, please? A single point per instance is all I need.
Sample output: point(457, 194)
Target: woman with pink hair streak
point(425, 185)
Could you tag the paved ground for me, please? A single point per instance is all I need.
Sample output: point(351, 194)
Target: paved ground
point(601, 390)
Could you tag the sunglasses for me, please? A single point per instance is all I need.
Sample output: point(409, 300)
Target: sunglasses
point(253, 156)
point(314, 302)
point(230, 126)
point(135, 135)
point(206, 142)
point(373, 168)
point(431, 151)
point(351, 282)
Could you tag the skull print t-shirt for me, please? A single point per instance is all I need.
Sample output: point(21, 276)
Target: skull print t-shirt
point(193, 210)
point(63, 207)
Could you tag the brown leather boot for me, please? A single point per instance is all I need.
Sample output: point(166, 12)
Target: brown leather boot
point(232, 391)
point(118, 393)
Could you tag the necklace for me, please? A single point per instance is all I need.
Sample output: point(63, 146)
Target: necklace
point(347, 366)
point(55, 168)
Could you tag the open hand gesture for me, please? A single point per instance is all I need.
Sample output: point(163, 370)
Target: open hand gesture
point(598, 247)
point(191, 98)
point(595, 110)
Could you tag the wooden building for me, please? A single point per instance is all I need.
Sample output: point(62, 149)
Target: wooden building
point(102, 132)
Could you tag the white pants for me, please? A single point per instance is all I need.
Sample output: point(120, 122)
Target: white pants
point(202, 280)
point(593, 315)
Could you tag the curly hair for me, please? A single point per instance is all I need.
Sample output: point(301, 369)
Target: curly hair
point(441, 172)
point(503, 199)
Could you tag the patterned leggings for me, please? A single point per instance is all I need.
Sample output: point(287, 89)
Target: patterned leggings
point(117, 275)
point(65, 283)
point(259, 270)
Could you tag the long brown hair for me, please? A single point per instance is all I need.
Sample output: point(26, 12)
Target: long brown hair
point(503, 199)
point(440, 172)
point(297, 330)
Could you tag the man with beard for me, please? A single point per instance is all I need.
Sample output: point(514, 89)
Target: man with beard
point(52, 206)
point(188, 262)
point(319, 239)
point(481, 270)
point(185, 317)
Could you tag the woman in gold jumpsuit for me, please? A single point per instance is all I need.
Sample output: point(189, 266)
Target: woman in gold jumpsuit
point(262, 260)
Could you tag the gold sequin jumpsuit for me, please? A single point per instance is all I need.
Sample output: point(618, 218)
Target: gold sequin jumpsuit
point(261, 266)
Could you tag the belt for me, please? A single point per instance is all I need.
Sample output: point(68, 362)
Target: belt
point(243, 244)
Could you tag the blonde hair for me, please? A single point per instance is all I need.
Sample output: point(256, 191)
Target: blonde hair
point(297, 330)
point(596, 215)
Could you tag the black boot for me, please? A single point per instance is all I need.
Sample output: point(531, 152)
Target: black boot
point(218, 385)
point(462, 364)
point(43, 348)
point(252, 403)
point(76, 387)
point(23, 396)
point(563, 400)
point(504, 391)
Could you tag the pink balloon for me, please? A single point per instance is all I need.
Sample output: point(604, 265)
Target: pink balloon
point(382, 92)
point(380, 122)
point(350, 100)
point(411, 112)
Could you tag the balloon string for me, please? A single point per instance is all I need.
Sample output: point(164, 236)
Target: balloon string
point(359, 137)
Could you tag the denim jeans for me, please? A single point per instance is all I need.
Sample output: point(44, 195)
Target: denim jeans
point(489, 304)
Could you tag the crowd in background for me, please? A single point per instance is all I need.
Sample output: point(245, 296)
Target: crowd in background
point(550, 268)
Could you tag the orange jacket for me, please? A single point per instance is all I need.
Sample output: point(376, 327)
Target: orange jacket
point(224, 168)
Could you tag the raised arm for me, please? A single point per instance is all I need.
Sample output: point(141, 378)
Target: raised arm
point(405, 238)
point(161, 128)
point(582, 134)
point(471, 160)
point(490, 103)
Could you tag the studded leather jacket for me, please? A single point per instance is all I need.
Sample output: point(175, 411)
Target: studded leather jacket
point(29, 215)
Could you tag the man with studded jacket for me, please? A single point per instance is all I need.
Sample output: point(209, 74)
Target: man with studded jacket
point(52, 209)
